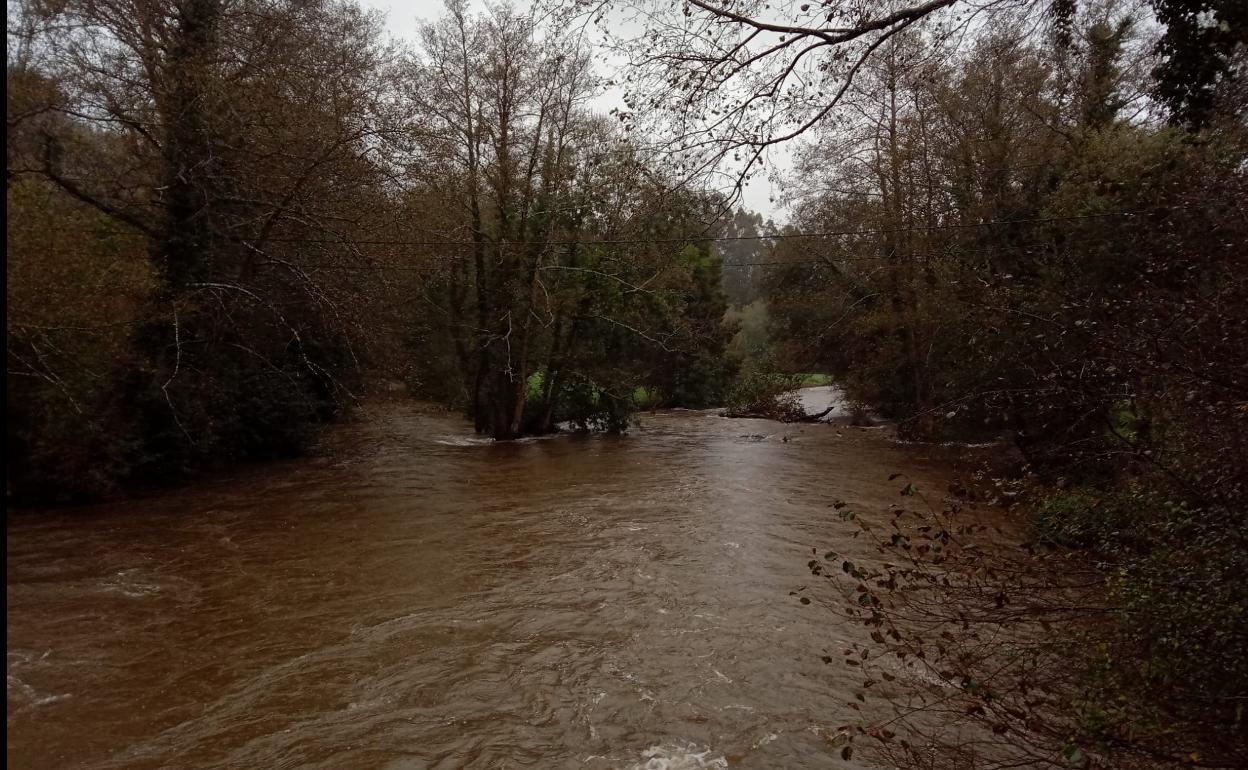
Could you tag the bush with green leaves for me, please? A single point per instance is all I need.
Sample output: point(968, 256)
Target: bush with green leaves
point(763, 394)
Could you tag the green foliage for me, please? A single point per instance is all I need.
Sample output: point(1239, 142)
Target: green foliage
point(766, 394)
point(535, 388)
point(646, 398)
point(1184, 605)
point(696, 373)
point(587, 406)
point(698, 382)
point(1174, 657)
point(1125, 422)
point(1080, 519)
point(1041, 266)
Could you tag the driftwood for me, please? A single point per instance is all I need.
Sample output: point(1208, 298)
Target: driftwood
point(778, 412)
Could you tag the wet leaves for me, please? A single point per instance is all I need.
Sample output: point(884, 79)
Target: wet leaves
point(881, 734)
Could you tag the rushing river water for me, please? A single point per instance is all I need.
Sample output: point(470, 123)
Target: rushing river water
point(418, 598)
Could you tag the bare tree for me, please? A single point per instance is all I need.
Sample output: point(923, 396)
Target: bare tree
point(499, 102)
point(719, 83)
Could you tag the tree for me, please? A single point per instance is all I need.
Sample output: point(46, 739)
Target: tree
point(742, 252)
point(723, 82)
point(1202, 50)
point(235, 140)
point(1073, 274)
point(554, 278)
point(501, 111)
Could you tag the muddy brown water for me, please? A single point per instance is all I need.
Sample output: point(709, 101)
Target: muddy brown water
point(415, 597)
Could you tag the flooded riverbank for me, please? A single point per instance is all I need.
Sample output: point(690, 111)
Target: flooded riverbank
point(416, 598)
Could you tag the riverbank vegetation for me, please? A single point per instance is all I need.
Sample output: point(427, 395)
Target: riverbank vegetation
point(178, 174)
point(1032, 232)
point(1024, 252)
point(227, 217)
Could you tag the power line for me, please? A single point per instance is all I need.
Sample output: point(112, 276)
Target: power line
point(711, 238)
point(348, 241)
point(825, 260)
point(704, 238)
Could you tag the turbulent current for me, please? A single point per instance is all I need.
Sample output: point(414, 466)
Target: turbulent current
point(413, 597)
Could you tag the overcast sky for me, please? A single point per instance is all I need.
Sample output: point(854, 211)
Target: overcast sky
point(403, 18)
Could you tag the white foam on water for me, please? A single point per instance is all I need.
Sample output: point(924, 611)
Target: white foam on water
point(382, 701)
point(48, 699)
point(131, 583)
point(833, 735)
point(449, 440)
point(673, 757)
point(766, 739)
point(16, 688)
point(26, 691)
point(531, 439)
point(948, 444)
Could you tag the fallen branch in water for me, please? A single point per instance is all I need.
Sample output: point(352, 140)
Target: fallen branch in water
point(781, 412)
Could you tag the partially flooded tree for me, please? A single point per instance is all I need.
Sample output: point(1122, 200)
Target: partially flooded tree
point(224, 136)
point(500, 106)
point(552, 285)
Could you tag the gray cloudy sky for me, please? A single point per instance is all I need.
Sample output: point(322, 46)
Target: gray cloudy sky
point(403, 17)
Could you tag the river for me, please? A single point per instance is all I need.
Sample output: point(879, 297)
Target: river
point(416, 597)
